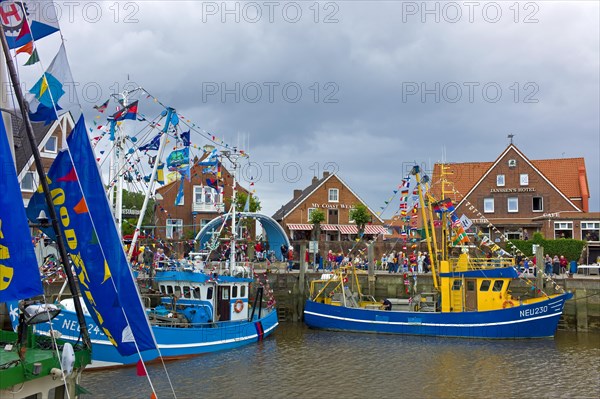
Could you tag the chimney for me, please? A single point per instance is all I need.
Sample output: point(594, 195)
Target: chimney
point(314, 180)
point(297, 193)
point(585, 194)
point(325, 174)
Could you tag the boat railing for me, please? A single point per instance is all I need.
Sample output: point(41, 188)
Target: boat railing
point(240, 269)
point(480, 263)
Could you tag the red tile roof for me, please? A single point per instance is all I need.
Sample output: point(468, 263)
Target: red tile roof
point(567, 174)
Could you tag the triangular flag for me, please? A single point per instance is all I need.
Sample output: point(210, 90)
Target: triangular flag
point(140, 369)
point(33, 59)
point(28, 48)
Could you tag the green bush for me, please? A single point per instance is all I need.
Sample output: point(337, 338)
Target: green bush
point(571, 249)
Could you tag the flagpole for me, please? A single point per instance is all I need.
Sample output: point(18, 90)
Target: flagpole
point(161, 149)
point(46, 189)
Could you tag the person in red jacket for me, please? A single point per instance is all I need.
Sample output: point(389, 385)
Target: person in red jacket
point(563, 264)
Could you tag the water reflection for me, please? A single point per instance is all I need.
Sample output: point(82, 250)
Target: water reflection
point(299, 362)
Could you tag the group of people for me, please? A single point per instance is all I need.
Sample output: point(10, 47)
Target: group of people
point(554, 266)
point(397, 262)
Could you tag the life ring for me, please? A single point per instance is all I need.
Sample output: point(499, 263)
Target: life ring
point(238, 306)
point(508, 303)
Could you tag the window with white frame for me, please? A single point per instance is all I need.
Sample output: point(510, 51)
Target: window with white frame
point(309, 212)
point(181, 200)
point(524, 179)
point(500, 181)
point(334, 195)
point(537, 204)
point(51, 145)
point(174, 228)
point(590, 231)
point(206, 195)
point(28, 182)
point(513, 204)
point(488, 205)
point(563, 229)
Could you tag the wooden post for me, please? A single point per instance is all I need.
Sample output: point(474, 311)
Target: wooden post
point(539, 264)
point(372, 266)
point(301, 279)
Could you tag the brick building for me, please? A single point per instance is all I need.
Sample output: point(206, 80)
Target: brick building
point(520, 196)
point(335, 198)
point(51, 139)
point(199, 205)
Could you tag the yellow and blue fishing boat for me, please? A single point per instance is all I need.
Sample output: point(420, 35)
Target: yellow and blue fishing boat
point(471, 299)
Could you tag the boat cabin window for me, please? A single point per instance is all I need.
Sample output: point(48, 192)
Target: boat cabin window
point(163, 289)
point(456, 285)
point(498, 285)
point(170, 289)
point(178, 291)
point(196, 293)
point(485, 285)
point(243, 291)
point(470, 285)
point(209, 293)
point(186, 292)
point(225, 294)
point(234, 291)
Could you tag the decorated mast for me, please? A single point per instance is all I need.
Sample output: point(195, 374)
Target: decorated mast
point(46, 190)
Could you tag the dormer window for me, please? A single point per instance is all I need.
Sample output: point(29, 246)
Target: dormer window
point(51, 145)
point(500, 180)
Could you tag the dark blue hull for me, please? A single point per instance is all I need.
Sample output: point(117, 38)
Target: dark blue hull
point(536, 320)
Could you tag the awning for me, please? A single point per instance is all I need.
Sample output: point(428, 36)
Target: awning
point(299, 226)
point(329, 227)
point(348, 229)
point(372, 229)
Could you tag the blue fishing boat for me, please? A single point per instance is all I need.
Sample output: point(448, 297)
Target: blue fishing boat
point(471, 299)
point(199, 313)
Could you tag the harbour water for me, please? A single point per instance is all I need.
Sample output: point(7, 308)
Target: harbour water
point(299, 362)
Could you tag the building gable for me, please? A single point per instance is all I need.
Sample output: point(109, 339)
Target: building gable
point(512, 163)
point(316, 196)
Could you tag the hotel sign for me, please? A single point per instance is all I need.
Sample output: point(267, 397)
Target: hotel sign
point(513, 190)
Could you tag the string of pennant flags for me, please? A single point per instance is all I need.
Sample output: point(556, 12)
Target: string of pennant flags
point(486, 242)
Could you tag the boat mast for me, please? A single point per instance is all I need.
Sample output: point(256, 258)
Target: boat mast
point(161, 149)
point(46, 189)
point(233, 159)
point(416, 171)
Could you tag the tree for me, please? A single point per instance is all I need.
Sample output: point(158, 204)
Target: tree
point(135, 201)
point(316, 217)
point(361, 216)
point(240, 202)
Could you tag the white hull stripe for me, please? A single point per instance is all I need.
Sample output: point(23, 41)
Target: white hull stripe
point(405, 323)
point(173, 346)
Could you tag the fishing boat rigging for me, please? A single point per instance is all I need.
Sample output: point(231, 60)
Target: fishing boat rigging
point(27, 368)
point(471, 296)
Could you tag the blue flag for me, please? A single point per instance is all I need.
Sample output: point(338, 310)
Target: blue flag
point(100, 263)
point(153, 145)
point(19, 273)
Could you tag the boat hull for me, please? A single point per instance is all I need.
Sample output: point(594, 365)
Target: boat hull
point(538, 320)
point(173, 342)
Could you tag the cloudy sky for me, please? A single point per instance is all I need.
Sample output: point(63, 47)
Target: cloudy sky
point(360, 87)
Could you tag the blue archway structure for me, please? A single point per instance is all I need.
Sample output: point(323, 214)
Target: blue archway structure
point(275, 234)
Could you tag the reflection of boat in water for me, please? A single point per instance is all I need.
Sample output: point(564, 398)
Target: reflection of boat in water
point(472, 299)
